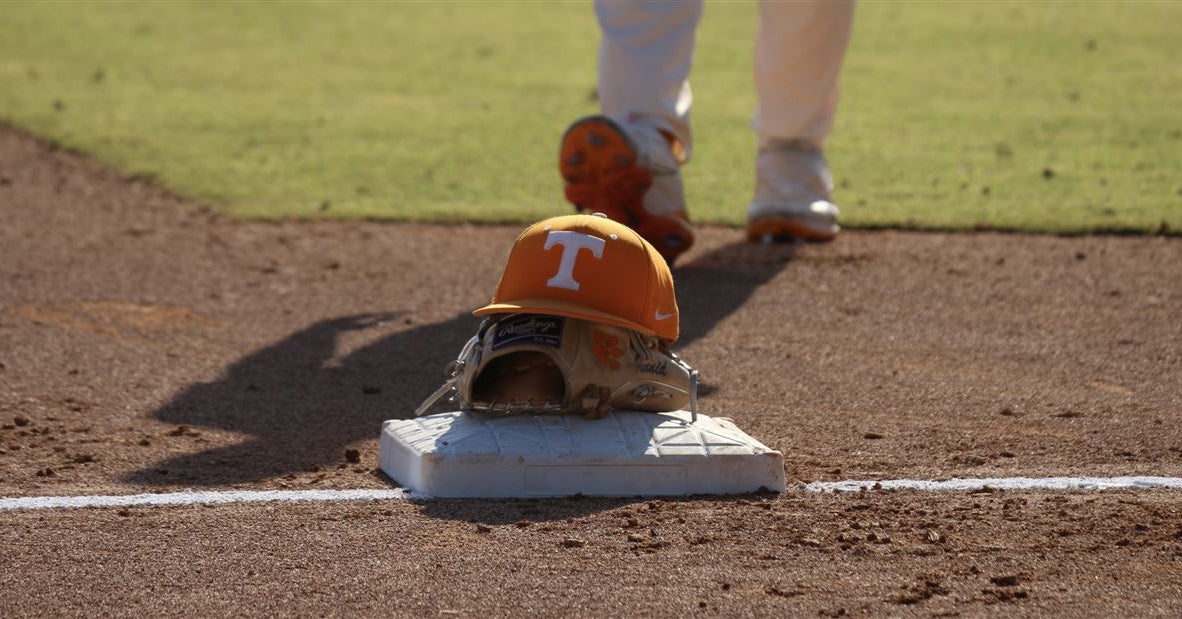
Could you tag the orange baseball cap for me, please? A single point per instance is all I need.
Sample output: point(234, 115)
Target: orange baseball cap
point(592, 268)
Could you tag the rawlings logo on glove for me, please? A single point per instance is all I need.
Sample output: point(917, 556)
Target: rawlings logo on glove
point(532, 329)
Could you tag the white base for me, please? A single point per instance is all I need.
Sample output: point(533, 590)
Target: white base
point(471, 455)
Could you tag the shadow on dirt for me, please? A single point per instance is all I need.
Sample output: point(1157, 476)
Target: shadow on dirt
point(717, 284)
point(301, 406)
point(525, 512)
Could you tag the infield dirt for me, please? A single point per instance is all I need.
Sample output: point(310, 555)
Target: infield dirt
point(147, 344)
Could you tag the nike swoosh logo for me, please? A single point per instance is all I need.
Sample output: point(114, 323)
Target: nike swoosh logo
point(661, 316)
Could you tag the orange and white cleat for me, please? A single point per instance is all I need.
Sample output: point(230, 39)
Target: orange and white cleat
point(631, 174)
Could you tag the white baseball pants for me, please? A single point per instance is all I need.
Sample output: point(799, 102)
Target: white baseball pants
point(647, 49)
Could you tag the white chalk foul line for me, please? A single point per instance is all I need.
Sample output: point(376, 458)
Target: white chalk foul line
point(1001, 483)
point(262, 496)
point(198, 498)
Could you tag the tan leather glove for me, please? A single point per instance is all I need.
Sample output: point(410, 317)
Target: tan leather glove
point(534, 363)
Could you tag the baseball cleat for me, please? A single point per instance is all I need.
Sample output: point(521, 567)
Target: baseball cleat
point(792, 195)
point(771, 226)
point(631, 175)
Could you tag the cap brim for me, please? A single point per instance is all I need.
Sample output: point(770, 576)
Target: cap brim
point(560, 308)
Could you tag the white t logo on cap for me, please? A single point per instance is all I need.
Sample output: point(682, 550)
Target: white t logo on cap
point(573, 241)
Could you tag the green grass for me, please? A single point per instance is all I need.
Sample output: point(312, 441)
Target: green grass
point(1055, 117)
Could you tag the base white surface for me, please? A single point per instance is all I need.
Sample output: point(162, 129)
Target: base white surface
point(471, 455)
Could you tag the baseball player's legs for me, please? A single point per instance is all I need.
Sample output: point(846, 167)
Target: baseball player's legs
point(799, 51)
point(644, 94)
point(644, 63)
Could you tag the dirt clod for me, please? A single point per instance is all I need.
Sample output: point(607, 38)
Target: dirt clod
point(778, 592)
point(1008, 580)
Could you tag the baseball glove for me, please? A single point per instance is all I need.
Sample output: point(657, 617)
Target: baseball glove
point(535, 363)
